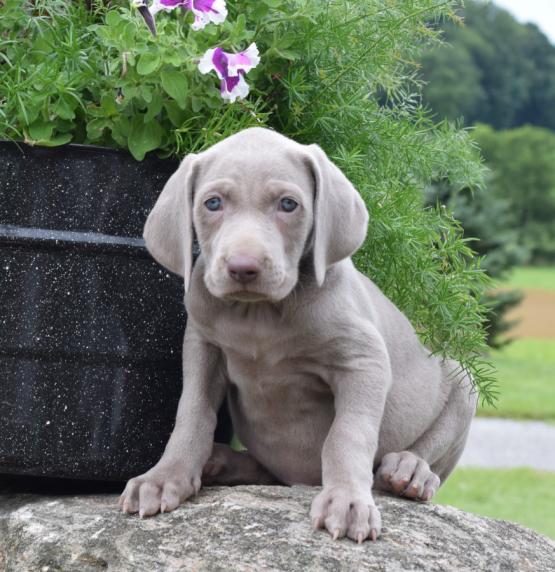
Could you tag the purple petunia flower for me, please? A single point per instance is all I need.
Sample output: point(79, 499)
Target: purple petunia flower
point(205, 11)
point(142, 7)
point(231, 69)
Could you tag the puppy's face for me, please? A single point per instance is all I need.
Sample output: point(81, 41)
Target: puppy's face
point(253, 215)
point(259, 202)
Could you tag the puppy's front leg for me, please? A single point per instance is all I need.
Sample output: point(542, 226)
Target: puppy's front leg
point(345, 505)
point(177, 475)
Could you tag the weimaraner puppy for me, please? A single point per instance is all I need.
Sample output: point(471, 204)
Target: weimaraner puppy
point(326, 380)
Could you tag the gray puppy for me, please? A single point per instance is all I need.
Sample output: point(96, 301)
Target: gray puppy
point(326, 379)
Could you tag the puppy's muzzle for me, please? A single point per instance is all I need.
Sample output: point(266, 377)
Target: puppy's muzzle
point(243, 269)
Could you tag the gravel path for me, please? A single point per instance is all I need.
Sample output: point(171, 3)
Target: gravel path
point(506, 443)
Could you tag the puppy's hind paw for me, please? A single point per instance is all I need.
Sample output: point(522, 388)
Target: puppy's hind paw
point(407, 475)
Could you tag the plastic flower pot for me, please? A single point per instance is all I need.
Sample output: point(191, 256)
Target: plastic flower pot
point(91, 327)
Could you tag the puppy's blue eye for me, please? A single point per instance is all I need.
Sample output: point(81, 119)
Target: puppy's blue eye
point(213, 204)
point(288, 205)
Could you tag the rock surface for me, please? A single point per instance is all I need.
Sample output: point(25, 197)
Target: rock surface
point(253, 529)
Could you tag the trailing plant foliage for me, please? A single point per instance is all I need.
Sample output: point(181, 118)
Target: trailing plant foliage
point(490, 219)
point(322, 63)
point(48, 60)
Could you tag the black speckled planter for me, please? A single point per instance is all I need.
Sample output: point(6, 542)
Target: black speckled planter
point(90, 326)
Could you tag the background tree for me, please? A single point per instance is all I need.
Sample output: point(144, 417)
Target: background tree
point(491, 70)
point(494, 70)
point(523, 177)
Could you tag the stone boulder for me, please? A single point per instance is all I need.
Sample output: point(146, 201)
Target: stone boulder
point(253, 529)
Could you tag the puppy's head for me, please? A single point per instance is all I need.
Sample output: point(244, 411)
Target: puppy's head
point(259, 203)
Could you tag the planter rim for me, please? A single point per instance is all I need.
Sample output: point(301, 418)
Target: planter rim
point(53, 239)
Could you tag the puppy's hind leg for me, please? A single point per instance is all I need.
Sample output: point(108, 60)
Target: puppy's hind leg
point(228, 467)
point(419, 471)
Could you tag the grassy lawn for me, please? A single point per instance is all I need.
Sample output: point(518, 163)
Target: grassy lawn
point(526, 367)
point(519, 495)
point(526, 380)
point(526, 376)
point(541, 278)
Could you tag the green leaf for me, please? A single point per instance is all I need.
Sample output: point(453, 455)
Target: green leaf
point(104, 33)
point(64, 107)
point(175, 57)
point(61, 139)
point(29, 110)
point(148, 63)
point(273, 3)
point(176, 115)
point(130, 91)
point(175, 85)
point(95, 128)
point(286, 54)
point(154, 107)
point(144, 137)
point(239, 29)
point(127, 37)
point(41, 130)
point(213, 100)
point(113, 18)
point(145, 92)
point(108, 104)
point(121, 130)
point(259, 11)
point(197, 104)
point(240, 23)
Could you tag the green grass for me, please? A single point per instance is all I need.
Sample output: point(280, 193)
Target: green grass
point(526, 380)
point(522, 495)
point(537, 277)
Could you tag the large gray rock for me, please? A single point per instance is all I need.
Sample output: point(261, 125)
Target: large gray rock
point(253, 529)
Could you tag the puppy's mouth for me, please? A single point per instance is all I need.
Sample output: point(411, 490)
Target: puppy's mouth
point(265, 291)
point(246, 296)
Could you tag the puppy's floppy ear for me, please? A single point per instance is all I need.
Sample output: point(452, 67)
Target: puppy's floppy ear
point(168, 230)
point(340, 215)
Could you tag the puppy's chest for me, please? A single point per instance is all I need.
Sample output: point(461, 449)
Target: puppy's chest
point(257, 345)
point(264, 344)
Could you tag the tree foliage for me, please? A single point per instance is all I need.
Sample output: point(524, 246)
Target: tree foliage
point(323, 64)
point(522, 163)
point(492, 70)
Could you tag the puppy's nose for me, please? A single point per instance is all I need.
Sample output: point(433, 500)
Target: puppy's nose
point(243, 269)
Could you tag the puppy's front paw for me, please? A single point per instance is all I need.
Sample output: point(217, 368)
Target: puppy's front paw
point(346, 511)
point(158, 490)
